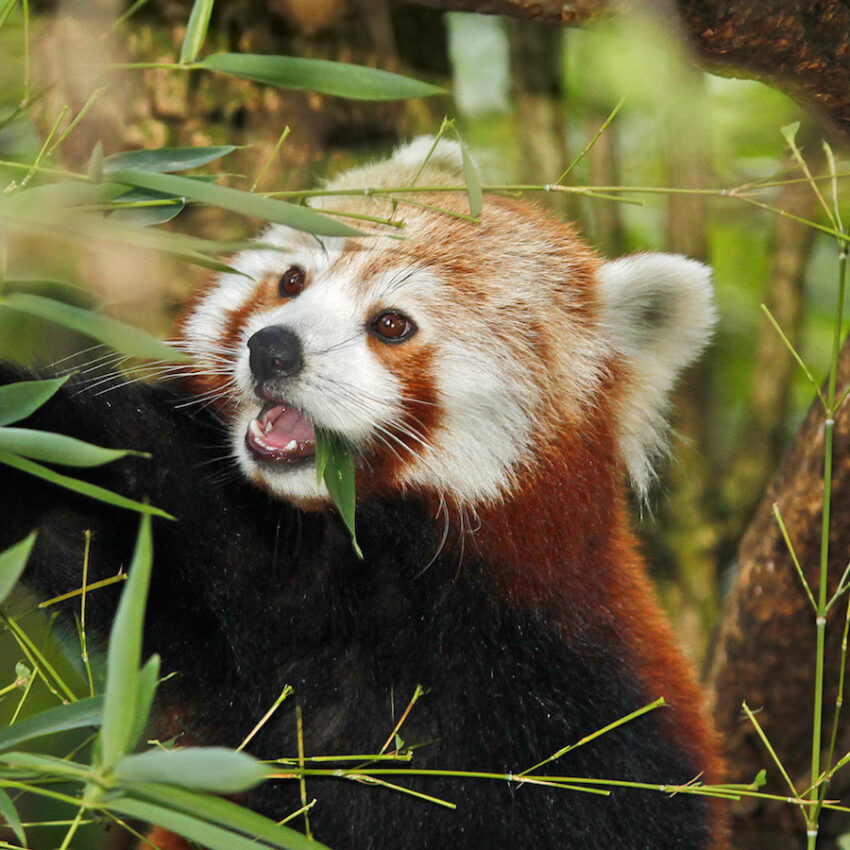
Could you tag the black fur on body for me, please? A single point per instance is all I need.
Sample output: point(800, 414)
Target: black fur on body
point(249, 594)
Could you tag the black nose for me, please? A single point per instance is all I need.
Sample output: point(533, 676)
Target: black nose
point(275, 353)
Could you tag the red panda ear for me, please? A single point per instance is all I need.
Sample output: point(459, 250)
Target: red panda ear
point(446, 156)
point(658, 314)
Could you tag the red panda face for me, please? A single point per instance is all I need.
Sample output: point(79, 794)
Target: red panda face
point(435, 385)
point(446, 358)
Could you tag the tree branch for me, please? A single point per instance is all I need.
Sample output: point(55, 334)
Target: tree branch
point(799, 46)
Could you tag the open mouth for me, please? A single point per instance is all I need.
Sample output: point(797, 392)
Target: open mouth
point(281, 434)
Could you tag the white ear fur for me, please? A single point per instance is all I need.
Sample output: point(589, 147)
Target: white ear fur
point(447, 154)
point(658, 314)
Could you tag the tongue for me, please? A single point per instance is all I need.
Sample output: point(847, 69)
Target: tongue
point(281, 434)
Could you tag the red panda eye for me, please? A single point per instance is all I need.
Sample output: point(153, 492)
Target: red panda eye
point(392, 327)
point(291, 282)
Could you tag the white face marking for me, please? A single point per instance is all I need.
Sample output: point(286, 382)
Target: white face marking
point(483, 399)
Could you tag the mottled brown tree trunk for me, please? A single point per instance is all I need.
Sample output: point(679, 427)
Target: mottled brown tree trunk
point(765, 650)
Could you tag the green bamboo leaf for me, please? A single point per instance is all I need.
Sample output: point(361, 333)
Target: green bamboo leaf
point(337, 463)
point(53, 197)
point(21, 399)
point(10, 814)
point(245, 203)
point(60, 290)
point(337, 78)
point(6, 7)
point(47, 764)
point(75, 715)
point(120, 336)
point(473, 184)
point(58, 448)
point(152, 208)
point(95, 169)
point(166, 159)
point(12, 563)
point(324, 441)
point(215, 769)
point(148, 681)
point(83, 487)
point(196, 31)
point(120, 697)
point(216, 810)
point(205, 834)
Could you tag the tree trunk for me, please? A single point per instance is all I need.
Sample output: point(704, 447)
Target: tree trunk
point(765, 650)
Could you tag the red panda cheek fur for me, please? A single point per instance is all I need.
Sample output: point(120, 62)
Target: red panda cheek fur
point(418, 422)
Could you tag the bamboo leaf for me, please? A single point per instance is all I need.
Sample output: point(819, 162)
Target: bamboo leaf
point(221, 811)
point(75, 715)
point(196, 31)
point(121, 691)
point(214, 769)
point(83, 487)
point(47, 764)
point(245, 203)
point(61, 290)
point(10, 814)
point(21, 399)
point(336, 78)
point(6, 7)
point(95, 168)
point(166, 159)
point(12, 563)
point(120, 336)
point(148, 681)
point(58, 448)
point(148, 208)
point(337, 463)
point(205, 834)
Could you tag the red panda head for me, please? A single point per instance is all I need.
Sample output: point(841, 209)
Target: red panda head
point(447, 357)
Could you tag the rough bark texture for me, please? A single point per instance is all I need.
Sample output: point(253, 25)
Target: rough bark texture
point(800, 46)
point(766, 646)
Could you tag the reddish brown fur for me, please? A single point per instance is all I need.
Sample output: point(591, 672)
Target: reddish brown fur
point(575, 495)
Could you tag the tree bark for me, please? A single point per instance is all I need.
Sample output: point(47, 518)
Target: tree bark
point(765, 650)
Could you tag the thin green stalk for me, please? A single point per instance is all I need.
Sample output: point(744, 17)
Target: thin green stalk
point(78, 117)
point(800, 362)
point(564, 750)
point(790, 546)
point(72, 829)
point(819, 792)
point(23, 699)
point(120, 576)
point(39, 662)
point(43, 152)
point(270, 160)
point(417, 693)
point(302, 781)
point(594, 140)
point(776, 760)
point(298, 812)
point(265, 718)
point(84, 652)
point(839, 703)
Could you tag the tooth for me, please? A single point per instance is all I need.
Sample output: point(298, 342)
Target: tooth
point(292, 444)
point(255, 429)
point(269, 426)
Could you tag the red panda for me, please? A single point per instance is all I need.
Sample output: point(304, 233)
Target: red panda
point(498, 384)
point(500, 373)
